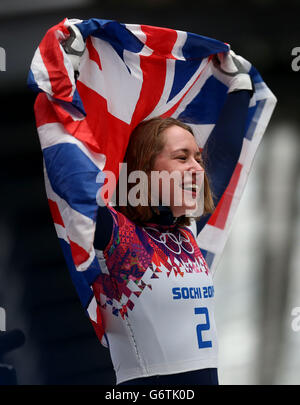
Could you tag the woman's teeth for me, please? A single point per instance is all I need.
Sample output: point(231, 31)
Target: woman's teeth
point(192, 187)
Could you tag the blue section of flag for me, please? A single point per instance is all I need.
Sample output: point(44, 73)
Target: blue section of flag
point(254, 114)
point(76, 102)
point(208, 256)
point(200, 46)
point(256, 77)
point(194, 50)
point(204, 109)
point(73, 177)
point(31, 83)
point(116, 34)
point(79, 278)
point(183, 72)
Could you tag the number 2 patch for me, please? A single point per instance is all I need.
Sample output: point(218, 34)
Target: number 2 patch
point(202, 326)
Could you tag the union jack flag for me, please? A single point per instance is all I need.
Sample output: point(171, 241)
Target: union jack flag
point(129, 73)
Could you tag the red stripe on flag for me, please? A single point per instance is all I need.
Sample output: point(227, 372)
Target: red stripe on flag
point(53, 59)
point(93, 54)
point(43, 109)
point(100, 130)
point(107, 134)
point(47, 112)
point(154, 70)
point(160, 40)
point(98, 287)
point(78, 253)
point(219, 217)
point(55, 213)
point(98, 327)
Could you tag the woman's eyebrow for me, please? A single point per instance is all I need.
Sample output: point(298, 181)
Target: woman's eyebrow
point(198, 153)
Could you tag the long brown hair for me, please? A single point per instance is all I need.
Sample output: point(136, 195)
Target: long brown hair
point(144, 146)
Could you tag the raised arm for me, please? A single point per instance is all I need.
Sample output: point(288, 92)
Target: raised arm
point(104, 227)
point(224, 144)
point(75, 47)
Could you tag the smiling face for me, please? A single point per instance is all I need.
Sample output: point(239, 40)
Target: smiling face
point(166, 145)
point(181, 155)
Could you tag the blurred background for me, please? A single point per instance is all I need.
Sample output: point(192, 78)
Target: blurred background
point(257, 280)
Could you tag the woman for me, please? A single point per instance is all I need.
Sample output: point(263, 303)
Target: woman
point(154, 292)
point(157, 293)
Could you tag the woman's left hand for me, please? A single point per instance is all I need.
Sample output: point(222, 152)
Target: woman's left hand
point(229, 69)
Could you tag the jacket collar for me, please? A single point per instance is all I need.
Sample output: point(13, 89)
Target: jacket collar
point(165, 216)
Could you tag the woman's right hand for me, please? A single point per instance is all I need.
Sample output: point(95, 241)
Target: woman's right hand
point(74, 46)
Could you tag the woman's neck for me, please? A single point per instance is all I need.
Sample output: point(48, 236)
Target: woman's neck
point(165, 216)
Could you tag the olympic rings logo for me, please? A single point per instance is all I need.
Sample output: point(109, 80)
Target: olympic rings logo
point(182, 243)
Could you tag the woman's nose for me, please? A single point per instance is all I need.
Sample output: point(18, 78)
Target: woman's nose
point(196, 166)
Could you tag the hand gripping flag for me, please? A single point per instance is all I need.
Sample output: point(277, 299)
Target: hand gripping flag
point(129, 73)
